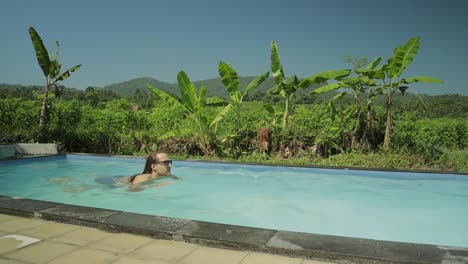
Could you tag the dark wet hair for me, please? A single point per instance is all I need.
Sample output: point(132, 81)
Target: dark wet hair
point(152, 158)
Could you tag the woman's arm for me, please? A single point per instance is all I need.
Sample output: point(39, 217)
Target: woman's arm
point(138, 187)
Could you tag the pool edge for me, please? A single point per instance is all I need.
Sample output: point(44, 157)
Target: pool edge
point(285, 165)
point(293, 244)
point(65, 154)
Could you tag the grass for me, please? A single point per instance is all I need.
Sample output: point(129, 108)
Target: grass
point(453, 161)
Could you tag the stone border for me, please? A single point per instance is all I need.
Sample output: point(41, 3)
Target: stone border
point(282, 165)
point(294, 244)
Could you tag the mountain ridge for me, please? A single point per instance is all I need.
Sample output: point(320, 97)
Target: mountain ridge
point(214, 86)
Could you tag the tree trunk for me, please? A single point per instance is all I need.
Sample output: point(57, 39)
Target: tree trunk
point(42, 119)
point(370, 130)
point(389, 122)
point(286, 112)
point(357, 115)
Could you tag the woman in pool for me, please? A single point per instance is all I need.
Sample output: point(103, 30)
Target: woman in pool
point(158, 166)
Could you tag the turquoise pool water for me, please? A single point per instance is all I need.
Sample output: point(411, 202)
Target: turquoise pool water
point(407, 207)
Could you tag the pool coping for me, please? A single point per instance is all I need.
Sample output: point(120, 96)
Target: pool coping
point(294, 244)
point(463, 173)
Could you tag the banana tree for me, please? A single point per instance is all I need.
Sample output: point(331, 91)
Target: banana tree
point(390, 73)
point(194, 103)
point(287, 87)
point(230, 80)
point(356, 85)
point(51, 68)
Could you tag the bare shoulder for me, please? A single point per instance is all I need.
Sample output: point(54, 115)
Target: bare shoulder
point(140, 178)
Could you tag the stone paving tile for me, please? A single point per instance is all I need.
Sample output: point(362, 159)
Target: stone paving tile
point(204, 255)
point(9, 261)
point(133, 260)
point(4, 218)
point(258, 258)
point(102, 247)
point(42, 252)
point(86, 256)
point(12, 242)
point(121, 243)
point(18, 224)
point(165, 250)
point(7, 245)
point(48, 229)
point(82, 236)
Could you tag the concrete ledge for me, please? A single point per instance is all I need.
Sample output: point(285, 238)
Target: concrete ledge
point(228, 236)
point(7, 151)
point(36, 149)
point(24, 207)
point(312, 246)
point(148, 225)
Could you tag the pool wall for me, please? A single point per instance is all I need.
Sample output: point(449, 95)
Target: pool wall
point(7, 151)
point(11, 150)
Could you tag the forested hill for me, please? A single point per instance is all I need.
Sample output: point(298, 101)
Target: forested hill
point(453, 105)
point(214, 86)
point(128, 88)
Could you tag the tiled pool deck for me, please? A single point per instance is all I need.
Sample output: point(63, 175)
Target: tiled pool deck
point(79, 234)
point(66, 244)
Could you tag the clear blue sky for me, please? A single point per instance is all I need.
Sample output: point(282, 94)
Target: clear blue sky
point(119, 40)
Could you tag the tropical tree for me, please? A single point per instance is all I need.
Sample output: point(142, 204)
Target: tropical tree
point(51, 68)
point(194, 103)
point(357, 85)
point(287, 87)
point(231, 82)
point(390, 82)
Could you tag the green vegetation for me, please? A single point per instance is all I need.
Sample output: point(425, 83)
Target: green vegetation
point(339, 124)
point(51, 68)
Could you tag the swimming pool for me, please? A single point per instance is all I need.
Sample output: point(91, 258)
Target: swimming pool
point(406, 207)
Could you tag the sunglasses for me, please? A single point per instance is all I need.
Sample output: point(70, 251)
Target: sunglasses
point(165, 163)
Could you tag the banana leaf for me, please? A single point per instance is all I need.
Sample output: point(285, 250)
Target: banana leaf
point(41, 52)
point(221, 115)
point(201, 100)
point(228, 77)
point(216, 101)
point(236, 97)
point(277, 89)
point(327, 88)
point(66, 74)
point(188, 91)
point(55, 65)
point(374, 63)
point(338, 96)
point(323, 77)
point(402, 57)
point(255, 83)
point(424, 79)
point(165, 96)
point(276, 68)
